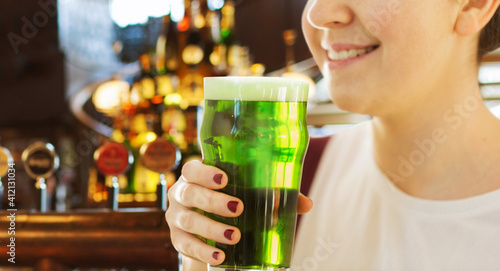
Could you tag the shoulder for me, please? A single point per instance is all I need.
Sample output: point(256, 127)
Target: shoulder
point(346, 154)
point(351, 140)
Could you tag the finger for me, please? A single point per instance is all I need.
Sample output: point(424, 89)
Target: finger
point(204, 175)
point(193, 195)
point(196, 223)
point(189, 263)
point(192, 247)
point(304, 204)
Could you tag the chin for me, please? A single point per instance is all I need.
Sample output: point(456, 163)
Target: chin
point(352, 103)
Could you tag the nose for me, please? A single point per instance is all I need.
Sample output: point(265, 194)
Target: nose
point(323, 14)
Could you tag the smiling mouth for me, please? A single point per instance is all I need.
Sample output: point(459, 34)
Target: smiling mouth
point(348, 54)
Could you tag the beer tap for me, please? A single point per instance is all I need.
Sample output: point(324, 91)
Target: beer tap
point(160, 156)
point(40, 161)
point(113, 159)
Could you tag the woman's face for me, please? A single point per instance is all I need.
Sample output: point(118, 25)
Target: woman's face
point(378, 56)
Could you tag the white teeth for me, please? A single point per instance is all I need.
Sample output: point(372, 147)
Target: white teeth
point(353, 53)
point(346, 54)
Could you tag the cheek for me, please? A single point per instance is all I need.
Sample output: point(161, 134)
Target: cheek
point(411, 24)
point(401, 30)
point(313, 38)
point(387, 21)
point(411, 40)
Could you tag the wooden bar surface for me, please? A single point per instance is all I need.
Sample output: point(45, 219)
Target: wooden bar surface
point(127, 238)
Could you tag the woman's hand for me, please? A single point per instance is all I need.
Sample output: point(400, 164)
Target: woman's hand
point(304, 204)
point(195, 190)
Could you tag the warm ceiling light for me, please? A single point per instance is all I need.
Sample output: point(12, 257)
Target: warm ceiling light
point(109, 96)
point(192, 54)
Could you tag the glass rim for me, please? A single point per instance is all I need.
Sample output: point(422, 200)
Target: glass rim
point(254, 88)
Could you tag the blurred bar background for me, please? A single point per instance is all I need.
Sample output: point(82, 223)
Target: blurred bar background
point(80, 73)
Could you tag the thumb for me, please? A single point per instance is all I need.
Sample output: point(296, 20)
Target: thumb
point(304, 204)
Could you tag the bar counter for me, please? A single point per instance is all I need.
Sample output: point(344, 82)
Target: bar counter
point(98, 238)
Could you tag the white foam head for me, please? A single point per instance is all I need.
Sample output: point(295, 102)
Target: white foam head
point(268, 89)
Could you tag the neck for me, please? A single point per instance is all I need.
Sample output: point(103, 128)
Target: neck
point(447, 151)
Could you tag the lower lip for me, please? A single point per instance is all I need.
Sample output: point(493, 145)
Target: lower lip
point(338, 64)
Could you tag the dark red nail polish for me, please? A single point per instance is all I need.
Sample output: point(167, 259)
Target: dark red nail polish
point(229, 234)
point(232, 206)
point(218, 178)
point(215, 255)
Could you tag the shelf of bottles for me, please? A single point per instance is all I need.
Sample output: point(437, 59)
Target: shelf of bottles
point(165, 98)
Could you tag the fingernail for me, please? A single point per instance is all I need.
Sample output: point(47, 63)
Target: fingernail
point(215, 255)
point(229, 234)
point(232, 206)
point(218, 178)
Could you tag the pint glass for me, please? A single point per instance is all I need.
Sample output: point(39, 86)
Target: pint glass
point(254, 129)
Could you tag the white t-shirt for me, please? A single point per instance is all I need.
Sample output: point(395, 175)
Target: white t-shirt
point(361, 221)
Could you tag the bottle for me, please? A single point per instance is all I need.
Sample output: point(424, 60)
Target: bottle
point(228, 33)
point(145, 181)
point(289, 37)
point(148, 104)
point(127, 114)
point(179, 122)
point(193, 51)
point(229, 43)
point(147, 78)
point(215, 52)
point(167, 59)
point(172, 49)
point(191, 86)
point(174, 120)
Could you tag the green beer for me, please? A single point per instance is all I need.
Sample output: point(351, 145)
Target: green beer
point(255, 130)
